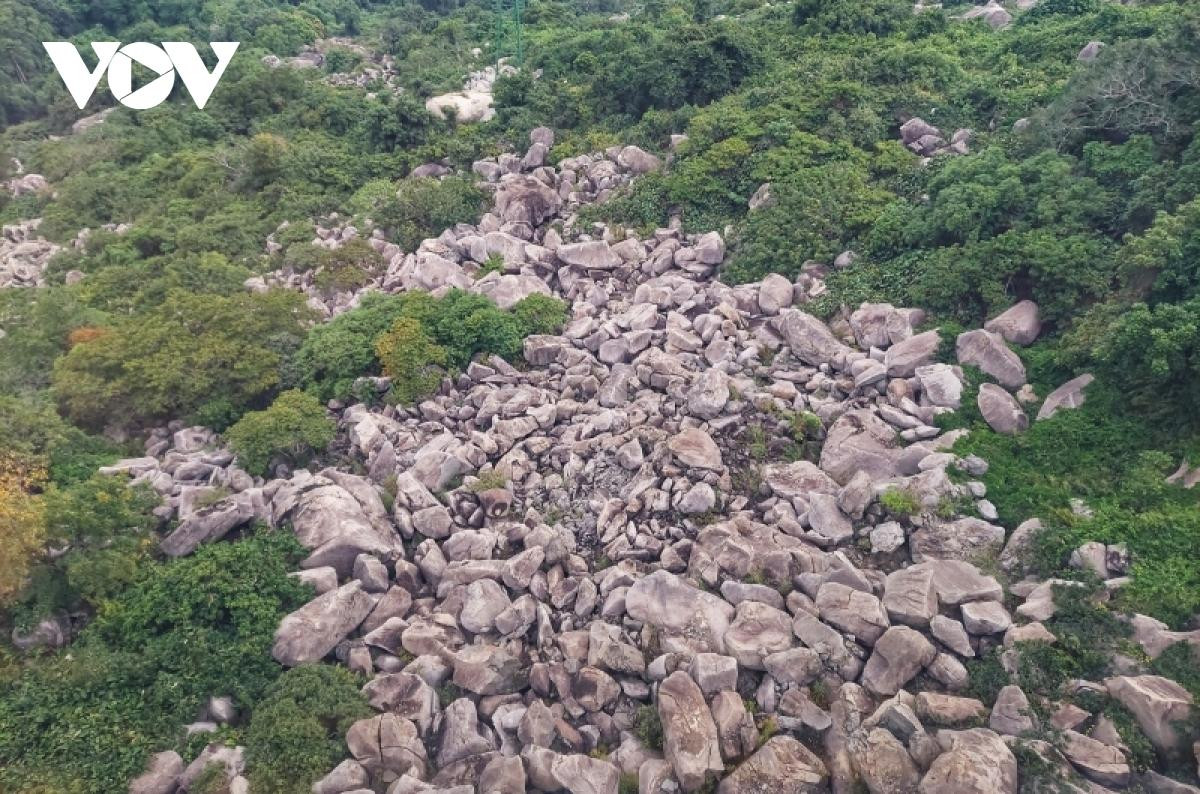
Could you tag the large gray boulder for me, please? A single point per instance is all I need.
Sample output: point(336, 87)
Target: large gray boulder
point(1020, 324)
point(591, 255)
point(341, 519)
point(1001, 410)
point(312, 631)
point(988, 352)
point(781, 766)
point(688, 619)
point(208, 524)
point(897, 657)
point(810, 339)
point(161, 775)
point(690, 741)
point(975, 761)
point(1069, 395)
point(860, 441)
point(964, 538)
point(903, 358)
point(1159, 704)
point(526, 200)
point(757, 631)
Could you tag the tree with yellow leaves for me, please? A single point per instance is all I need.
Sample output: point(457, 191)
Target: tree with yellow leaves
point(22, 522)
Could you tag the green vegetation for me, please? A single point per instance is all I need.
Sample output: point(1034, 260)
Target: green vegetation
point(900, 502)
point(413, 338)
point(294, 427)
point(647, 726)
point(206, 358)
point(1091, 211)
point(85, 720)
point(297, 732)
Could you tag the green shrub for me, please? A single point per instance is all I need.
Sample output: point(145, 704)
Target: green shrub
point(86, 719)
point(411, 359)
point(338, 352)
point(540, 314)
point(647, 726)
point(202, 357)
point(106, 528)
point(426, 207)
point(296, 733)
point(295, 427)
point(900, 502)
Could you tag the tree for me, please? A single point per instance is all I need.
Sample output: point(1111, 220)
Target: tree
point(1155, 354)
point(204, 357)
point(411, 359)
point(22, 528)
point(294, 427)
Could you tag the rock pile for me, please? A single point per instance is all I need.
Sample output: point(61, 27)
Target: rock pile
point(24, 255)
point(702, 535)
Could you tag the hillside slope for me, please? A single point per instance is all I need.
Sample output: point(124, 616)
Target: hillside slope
point(794, 398)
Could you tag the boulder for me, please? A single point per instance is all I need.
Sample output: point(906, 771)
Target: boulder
point(690, 741)
point(1158, 704)
point(903, 358)
point(696, 449)
point(1012, 714)
point(988, 352)
point(1001, 410)
point(774, 294)
point(1095, 760)
point(757, 631)
point(337, 521)
point(882, 762)
point(638, 161)
point(781, 766)
point(975, 761)
point(860, 441)
point(1020, 324)
point(964, 539)
point(525, 200)
point(810, 339)
point(581, 774)
point(161, 775)
point(591, 255)
point(1069, 395)
point(689, 620)
point(387, 746)
point(312, 631)
point(898, 655)
point(852, 611)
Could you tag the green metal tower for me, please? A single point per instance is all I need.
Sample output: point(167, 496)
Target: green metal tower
point(509, 25)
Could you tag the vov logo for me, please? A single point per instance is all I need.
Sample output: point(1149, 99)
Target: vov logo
point(165, 61)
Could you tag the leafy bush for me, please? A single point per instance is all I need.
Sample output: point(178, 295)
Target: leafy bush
point(540, 314)
point(105, 526)
point(1155, 354)
point(86, 720)
point(203, 357)
point(411, 359)
point(336, 353)
point(30, 428)
point(22, 528)
point(426, 207)
point(900, 502)
point(295, 427)
point(647, 726)
point(296, 733)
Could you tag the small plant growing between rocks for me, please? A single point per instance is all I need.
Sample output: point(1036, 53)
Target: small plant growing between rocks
point(647, 726)
point(900, 502)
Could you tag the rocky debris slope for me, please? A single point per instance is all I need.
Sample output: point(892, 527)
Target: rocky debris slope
point(703, 536)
